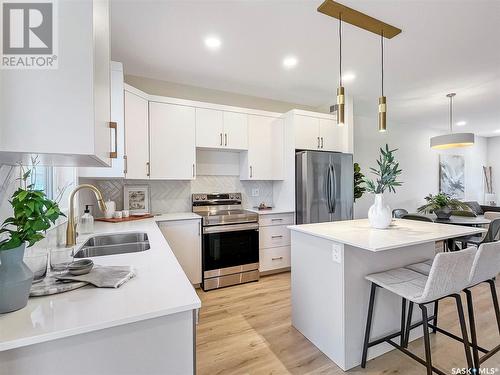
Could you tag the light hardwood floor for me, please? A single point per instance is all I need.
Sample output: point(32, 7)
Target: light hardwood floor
point(247, 330)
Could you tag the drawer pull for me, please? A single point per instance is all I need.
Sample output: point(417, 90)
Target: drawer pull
point(280, 236)
point(278, 258)
point(276, 219)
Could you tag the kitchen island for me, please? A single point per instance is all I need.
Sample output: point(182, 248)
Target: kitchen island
point(147, 326)
point(329, 290)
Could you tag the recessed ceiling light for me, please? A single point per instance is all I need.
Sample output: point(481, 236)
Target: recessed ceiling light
point(290, 62)
point(461, 123)
point(348, 77)
point(212, 42)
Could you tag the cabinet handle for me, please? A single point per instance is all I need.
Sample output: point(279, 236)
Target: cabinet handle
point(148, 169)
point(221, 139)
point(277, 258)
point(280, 236)
point(225, 139)
point(194, 174)
point(318, 142)
point(251, 172)
point(276, 219)
point(321, 142)
point(114, 126)
point(199, 228)
point(125, 167)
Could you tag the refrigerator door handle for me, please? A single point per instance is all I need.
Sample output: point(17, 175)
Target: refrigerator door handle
point(333, 189)
point(329, 188)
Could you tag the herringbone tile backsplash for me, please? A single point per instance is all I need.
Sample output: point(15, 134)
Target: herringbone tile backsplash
point(175, 196)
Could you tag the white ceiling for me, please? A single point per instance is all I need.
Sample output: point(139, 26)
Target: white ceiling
point(446, 45)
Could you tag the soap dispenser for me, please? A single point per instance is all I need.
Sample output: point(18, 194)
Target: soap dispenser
point(86, 221)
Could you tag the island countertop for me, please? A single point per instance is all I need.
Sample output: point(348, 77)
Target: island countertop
point(401, 233)
point(160, 288)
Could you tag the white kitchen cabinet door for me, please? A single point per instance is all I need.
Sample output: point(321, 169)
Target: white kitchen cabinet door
point(209, 128)
point(184, 238)
point(306, 133)
point(330, 135)
point(117, 169)
point(172, 141)
point(235, 130)
point(264, 159)
point(63, 114)
point(136, 137)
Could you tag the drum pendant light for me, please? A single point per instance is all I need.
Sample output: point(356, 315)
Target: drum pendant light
point(382, 100)
point(340, 89)
point(452, 140)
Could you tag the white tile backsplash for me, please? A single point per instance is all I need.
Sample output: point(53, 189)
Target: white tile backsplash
point(175, 196)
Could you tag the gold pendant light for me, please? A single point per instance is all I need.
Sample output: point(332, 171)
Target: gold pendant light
point(382, 100)
point(452, 140)
point(340, 89)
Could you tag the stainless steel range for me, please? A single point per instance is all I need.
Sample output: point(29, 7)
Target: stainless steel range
point(230, 245)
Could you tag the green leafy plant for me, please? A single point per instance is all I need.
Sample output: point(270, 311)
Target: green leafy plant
point(33, 214)
point(387, 173)
point(359, 189)
point(440, 201)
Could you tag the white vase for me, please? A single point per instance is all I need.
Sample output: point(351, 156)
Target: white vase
point(379, 214)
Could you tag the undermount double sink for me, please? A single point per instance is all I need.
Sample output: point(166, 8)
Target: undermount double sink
point(112, 244)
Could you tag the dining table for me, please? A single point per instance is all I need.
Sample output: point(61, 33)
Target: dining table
point(471, 221)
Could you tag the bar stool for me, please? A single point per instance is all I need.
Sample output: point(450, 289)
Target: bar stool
point(485, 268)
point(449, 274)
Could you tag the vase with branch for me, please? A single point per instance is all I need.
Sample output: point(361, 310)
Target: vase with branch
point(387, 173)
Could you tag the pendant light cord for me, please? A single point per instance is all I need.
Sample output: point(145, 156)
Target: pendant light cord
point(340, 49)
point(451, 114)
point(382, 59)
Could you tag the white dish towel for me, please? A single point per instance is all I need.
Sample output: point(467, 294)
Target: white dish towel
point(104, 276)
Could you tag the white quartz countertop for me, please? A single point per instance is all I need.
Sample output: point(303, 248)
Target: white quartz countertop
point(401, 233)
point(160, 288)
point(272, 211)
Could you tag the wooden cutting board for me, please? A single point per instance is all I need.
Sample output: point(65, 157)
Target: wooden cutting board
point(123, 219)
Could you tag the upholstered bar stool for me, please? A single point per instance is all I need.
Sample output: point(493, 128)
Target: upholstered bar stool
point(449, 274)
point(485, 268)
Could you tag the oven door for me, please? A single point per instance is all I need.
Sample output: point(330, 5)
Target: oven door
point(230, 249)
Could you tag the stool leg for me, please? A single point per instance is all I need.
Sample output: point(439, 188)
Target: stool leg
point(495, 301)
point(368, 325)
point(463, 327)
point(403, 317)
point(435, 320)
point(408, 324)
point(472, 326)
point(427, 341)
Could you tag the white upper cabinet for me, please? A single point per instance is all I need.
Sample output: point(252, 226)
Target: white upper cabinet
point(117, 169)
point(235, 130)
point(63, 114)
point(172, 141)
point(136, 136)
point(306, 132)
point(219, 129)
point(318, 131)
point(264, 159)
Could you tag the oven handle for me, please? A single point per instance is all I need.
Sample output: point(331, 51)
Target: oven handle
point(231, 228)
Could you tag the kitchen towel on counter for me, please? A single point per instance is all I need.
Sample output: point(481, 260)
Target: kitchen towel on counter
point(104, 277)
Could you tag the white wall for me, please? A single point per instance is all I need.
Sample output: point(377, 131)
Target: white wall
point(494, 162)
point(420, 164)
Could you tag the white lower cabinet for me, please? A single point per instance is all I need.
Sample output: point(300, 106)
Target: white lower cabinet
point(274, 241)
point(184, 238)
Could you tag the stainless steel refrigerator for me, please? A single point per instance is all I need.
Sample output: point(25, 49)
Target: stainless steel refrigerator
point(324, 186)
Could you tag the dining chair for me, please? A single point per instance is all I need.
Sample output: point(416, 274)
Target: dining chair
point(398, 213)
point(491, 235)
point(476, 207)
point(417, 218)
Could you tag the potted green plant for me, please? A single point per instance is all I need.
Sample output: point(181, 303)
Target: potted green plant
point(442, 205)
point(33, 214)
point(359, 189)
point(387, 173)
